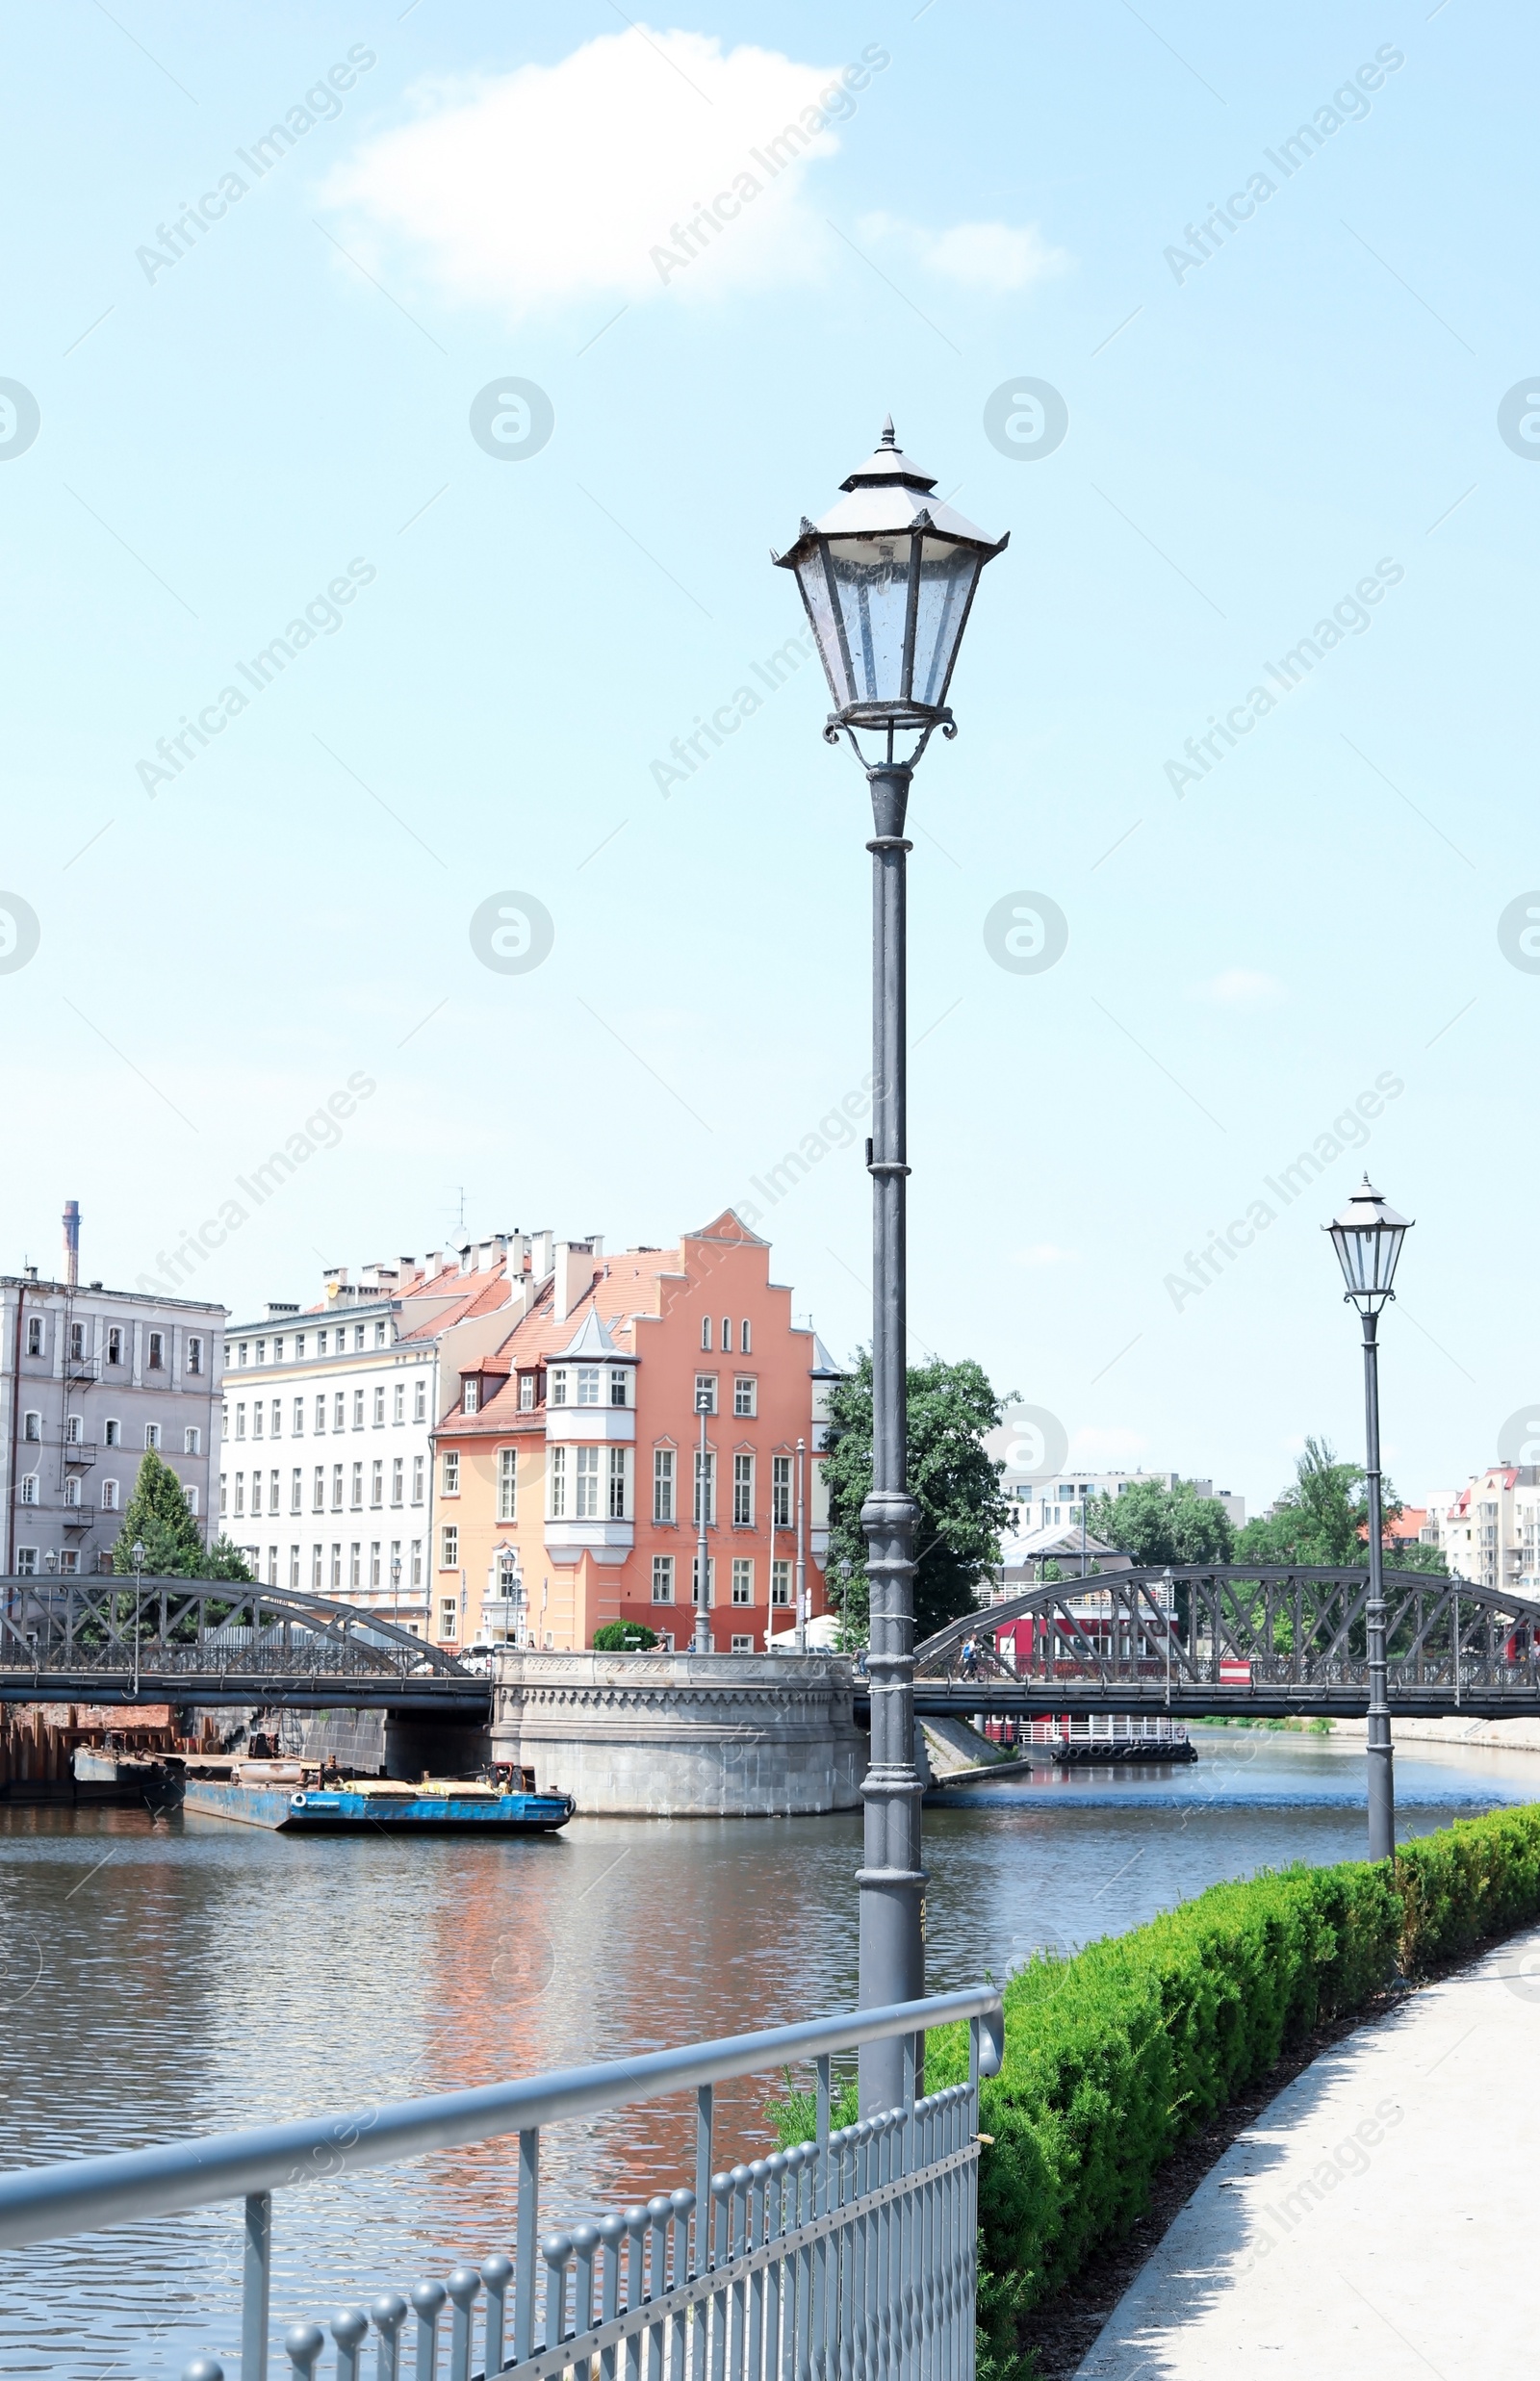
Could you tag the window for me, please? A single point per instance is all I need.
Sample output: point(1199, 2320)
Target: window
point(507, 1484)
point(258, 1412)
point(379, 1335)
point(358, 1409)
point(418, 1469)
point(781, 1491)
point(157, 1355)
point(192, 1439)
point(527, 1393)
point(358, 1335)
point(695, 1579)
point(152, 1434)
point(192, 1495)
point(68, 1563)
point(317, 1489)
point(379, 1405)
point(399, 1402)
point(663, 1484)
point(374, 1563)
point(470, 1394)
point(780, 1581)
point(240, 1422)
point(742, 1580)
point(663, 1579)
point(452, 1473)
point(355, 1567)
point(449, 1546)
point(448, 1618)
point(556, 1385)
point(744, 1345)
point(299, 1417)
point(273, 1493)
point(77, 1342)
point(194, 1355)
point(398, 1479)
point(727, 1336)
point(297, 1494)
point(321, 1413)
point(619, 1467)
point(320, 1346)
point(745, 1400)
point(743, 1491)
point(275, 1425)
point(588, 1384)
point(358, 1488)
point(710, 1462)
point(316, 1573)
point(420, 1403)
point(33, 1428)
point(339, 1417)
point(29, 1488)
point(262, 1351)
point(293, 1566)
point(586, 1508)
point(705, 1333)
point(72, 1492)
point(336, 1566)
point(336, 1488)
point(743, 1645)
point(240, 1493)
point(35, 1335)
point(299, 1358)
point(417, 1566)
point(27, 1562)
point(71, 1429)
point(619, 1376)
point(556, 1492)
point(377, 1484)
point(115, 1345)
point(705, 1388)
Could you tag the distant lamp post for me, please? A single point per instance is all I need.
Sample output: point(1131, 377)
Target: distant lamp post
point(1368, 1237)
point(396, 1590)
point(701, 1641)
point(887, 577)
point(138, 1566)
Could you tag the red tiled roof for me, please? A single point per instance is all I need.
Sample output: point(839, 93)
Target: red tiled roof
point(625, 1286)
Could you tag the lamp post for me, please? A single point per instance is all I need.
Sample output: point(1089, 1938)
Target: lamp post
point(701, 1641)
point(800, 1640)
point(1368, 1237)
point(887, 577)
point(138, 1565)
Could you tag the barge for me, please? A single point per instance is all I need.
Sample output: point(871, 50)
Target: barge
point(301, 1800)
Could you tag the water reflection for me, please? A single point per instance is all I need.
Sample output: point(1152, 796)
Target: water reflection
point(171, 1981)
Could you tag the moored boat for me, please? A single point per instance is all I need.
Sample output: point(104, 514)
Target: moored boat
point(302, 1801)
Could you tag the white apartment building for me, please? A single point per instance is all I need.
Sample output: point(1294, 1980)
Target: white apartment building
point(1488, 1530)
point(1058, 1502)
point(90, 1377)
point(325, 1474)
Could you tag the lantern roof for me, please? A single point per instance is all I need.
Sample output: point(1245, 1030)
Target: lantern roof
point(1367, 1212)
point(888, 494)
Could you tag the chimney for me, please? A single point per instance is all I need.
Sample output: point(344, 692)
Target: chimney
point(575, 1275)
point(73, 1242)
point(541, 1256)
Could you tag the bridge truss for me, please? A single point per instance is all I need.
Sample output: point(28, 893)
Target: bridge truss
point(1221, 1640)
point(215, 1641)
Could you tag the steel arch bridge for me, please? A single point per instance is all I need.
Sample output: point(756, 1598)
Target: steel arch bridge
point(1226, 1641)
point(217, 1641)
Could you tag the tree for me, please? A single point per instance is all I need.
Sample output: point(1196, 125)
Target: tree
point(624, 1637)
point(1158, 1524)
point(157, 1514)
point(955, 1484)
point(1323, 1518)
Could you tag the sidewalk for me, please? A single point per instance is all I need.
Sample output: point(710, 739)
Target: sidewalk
point(1377, 2218)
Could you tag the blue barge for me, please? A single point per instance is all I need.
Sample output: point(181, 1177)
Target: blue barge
point(438, 1805)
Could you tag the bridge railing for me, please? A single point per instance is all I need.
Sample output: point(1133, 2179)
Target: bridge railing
point(851, 2253)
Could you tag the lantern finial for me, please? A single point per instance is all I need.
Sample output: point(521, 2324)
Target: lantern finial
point(888, 438)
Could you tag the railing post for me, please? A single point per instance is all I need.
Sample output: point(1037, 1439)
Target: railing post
point(524, 2245)
point(388, 2314)
point(464, 2287)
point(497, 2272)
point(427, 2298)
point(349, 2328)
point(256, 2284)
point(302, 2345)
point(556, 2250)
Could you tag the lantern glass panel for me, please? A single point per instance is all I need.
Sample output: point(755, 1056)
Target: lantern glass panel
point(816, 594)
point(947, 575)
point(870, 578)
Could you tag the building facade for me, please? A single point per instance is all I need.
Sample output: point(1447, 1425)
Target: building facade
point(326, 1471)
point(1057, 1501)
point(569, 1471)
point(1488, 1530)
point(90, 1377)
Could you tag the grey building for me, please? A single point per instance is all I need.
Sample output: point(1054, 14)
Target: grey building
point(90, 1377)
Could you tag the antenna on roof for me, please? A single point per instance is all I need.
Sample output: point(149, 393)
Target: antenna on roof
point(459, 1186)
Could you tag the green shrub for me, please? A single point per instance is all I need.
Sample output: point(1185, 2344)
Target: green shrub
point(1467, 1884)
point(624, 1637)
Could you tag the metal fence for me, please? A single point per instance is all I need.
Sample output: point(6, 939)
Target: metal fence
point(848, 2257)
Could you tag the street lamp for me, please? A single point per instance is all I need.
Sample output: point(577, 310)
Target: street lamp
point(701, 1641)
point(138, 1565)
point(1368, 1237)
point(887, 577)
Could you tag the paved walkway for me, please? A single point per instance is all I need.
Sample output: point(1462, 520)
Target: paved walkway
point(1378, 2219)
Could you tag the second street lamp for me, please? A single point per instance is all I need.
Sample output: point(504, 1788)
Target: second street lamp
point(1368, 1237)
point(887, 577)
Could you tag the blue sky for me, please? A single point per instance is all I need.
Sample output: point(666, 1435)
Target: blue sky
point(224, 434)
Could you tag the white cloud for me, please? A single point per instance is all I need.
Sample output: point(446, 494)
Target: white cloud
point(643, 161)
point(1239, 987)
point(980, 256)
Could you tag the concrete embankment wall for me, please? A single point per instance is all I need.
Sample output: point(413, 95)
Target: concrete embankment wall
point(1502, 1736)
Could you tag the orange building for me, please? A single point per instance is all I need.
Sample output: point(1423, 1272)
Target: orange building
point(568, 1469)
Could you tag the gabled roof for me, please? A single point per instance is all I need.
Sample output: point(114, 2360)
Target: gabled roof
point(729, 1226)
point(823, 1365)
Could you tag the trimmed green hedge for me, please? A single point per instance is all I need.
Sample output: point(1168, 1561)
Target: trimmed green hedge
point(1113, 2057)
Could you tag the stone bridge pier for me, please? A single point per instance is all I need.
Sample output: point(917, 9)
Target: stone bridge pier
point(681, 1735)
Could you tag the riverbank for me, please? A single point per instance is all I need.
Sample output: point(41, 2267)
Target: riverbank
point(1378, 2201)
point(1494, 1735)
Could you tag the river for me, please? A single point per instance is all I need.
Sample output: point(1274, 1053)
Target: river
point(191, 1976)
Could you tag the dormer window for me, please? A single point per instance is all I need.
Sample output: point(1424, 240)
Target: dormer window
point(588, 1384)
point(527, 1393)
point(471, 1389)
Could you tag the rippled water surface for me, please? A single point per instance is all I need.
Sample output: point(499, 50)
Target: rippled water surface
point(165, 1980)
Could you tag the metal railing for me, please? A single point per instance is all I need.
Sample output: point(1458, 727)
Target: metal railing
point(849, 2257)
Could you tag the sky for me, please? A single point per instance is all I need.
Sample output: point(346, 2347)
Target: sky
point(438, 385)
